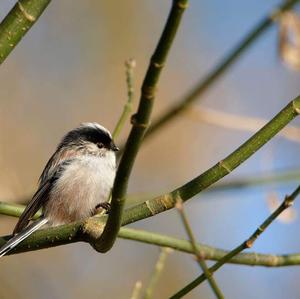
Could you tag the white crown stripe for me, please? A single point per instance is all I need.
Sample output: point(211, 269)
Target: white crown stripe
point(95, 126)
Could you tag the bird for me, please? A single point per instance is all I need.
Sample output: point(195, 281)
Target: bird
point(75, 183)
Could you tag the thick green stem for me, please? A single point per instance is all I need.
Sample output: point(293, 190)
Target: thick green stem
point(167, 201)
point(18, 21)
point(140, 122)
point(85, 232)
point(68, 234)
point(90, 229)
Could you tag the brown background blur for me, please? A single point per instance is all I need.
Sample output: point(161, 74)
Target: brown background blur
point(70, 68)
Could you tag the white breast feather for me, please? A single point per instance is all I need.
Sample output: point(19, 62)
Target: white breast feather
point(85, 182)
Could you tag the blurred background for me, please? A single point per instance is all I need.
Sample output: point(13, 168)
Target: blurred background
point(69, 68)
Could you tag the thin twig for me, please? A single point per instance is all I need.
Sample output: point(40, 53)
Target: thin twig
point(268, 177)
point(219, 69)
point(15, 210)
point(238, 122)
point(18, 21)
point(159, 266)
point(198, 253)
point(288, 201)
point(140, 122)
point(129, 65)
point(136, 290)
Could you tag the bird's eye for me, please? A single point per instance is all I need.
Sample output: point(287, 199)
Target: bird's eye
point(100, 145)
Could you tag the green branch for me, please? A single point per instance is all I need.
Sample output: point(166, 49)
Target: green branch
point(136, 290)
point(12, 209)
point(130, 65)
point(269, 177)
point(288, 201)
point(18, 21)
point(159, 266)
point(87, 231)
point(77, 232)
point(197, 252)
point(219, 70)
point(140, 122)
point(167, 201)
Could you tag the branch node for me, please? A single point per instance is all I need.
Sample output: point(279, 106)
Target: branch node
point(28, 16)
point(148, 205)
point(181, 5)
point(276, 14)
point(135, 123)
point(93, 228)
point(157, 64)
point(167, 201)
point(178, 204)
point(249, 243)
point(288, 202)
point(148, 92)
point(273, 260)
point(223, 165)
point(295, 107)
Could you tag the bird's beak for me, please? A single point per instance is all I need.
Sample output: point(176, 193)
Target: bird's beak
point(114, 147)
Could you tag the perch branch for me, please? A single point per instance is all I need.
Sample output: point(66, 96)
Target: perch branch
point(74, 233)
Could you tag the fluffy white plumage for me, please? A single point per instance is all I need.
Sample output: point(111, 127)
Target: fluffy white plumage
point(77, 178)
point(85, 182)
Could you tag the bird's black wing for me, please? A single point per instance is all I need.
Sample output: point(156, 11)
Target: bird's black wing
point(40, 197)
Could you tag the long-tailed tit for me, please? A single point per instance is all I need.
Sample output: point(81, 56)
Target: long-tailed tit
point(75, 182)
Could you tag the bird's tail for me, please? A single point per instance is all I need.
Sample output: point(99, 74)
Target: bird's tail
point(19, 237)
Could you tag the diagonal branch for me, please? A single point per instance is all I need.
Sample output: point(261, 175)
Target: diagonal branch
point(288, 201)
point(219, 69)
point(198, 253)
point(268, 177)
point(18, 21)
point(167, 201)
point(237, 122)
point(140, 123)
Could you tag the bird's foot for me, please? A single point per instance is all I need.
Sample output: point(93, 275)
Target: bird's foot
point(102, 206)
